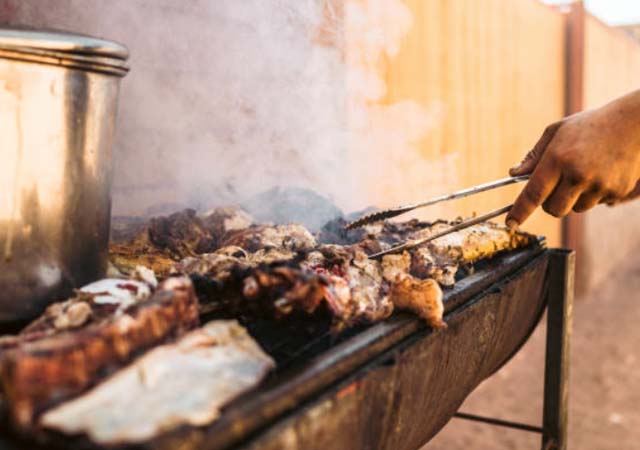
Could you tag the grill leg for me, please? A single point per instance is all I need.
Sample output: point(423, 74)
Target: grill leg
point(556, 379)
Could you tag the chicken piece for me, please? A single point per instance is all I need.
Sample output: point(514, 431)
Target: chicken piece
point(396, 266)
point(356, 290)
point(289, 237)
point(471, 244)
point(184, 383)
point(422, 297)
point(368, 298)
point(425, 265)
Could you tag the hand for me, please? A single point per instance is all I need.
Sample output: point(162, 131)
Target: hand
point(631, 196)
point(585, 159)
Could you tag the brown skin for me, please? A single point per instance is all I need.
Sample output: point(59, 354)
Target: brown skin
point(585, 159)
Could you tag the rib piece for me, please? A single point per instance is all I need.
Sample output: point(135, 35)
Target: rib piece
point(185, 383)
point(78, 342)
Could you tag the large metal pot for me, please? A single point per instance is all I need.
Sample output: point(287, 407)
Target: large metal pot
point(58, 101)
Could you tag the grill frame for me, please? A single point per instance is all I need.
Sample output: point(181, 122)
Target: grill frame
point(254, 420)
point(259, 414)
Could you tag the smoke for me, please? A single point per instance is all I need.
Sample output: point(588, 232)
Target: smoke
point(228, 98)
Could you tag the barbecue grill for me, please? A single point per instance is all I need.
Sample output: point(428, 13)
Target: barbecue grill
point(395, 384)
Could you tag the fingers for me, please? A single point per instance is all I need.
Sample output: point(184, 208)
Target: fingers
point(588, 200)
point(540, 186)
point(612, 200)
point(635, 193)
point(532, 158)
point(563, 197)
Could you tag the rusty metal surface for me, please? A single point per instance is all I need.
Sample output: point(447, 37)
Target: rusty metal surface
point(408, 393)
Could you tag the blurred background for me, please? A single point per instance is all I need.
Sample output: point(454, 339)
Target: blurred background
point(381, 102)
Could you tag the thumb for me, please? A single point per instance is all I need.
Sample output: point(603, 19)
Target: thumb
point(530, 161)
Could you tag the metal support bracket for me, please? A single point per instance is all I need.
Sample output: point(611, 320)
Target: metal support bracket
point(556, 378)
point(556, 371)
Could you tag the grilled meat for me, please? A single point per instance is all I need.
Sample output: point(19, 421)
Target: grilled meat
point(185, 383)
point(339, 279)
point(424, 264)
point(395, 266)
point(288, 237)
point(221, 222)
point(140, 251)
point(423, 297)
point(469, 245)
point(77, 342)
point(181, 234)
point(278, 270)
point(165, 240)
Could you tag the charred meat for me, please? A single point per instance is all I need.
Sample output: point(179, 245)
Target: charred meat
point(281, 270)
point(77, 342)
point(165, 240)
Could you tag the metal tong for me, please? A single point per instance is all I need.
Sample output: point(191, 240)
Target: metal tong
point(393, 212)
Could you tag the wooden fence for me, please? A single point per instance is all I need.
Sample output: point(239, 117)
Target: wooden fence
point(497, 69)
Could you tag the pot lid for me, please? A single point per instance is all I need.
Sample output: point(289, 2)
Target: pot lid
point(18, 37)
point(63, 48)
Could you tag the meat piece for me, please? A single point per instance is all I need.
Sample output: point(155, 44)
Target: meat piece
point(425, 265)
point(394, 266)
point(281, 290)
point(125, 257)
point(217, 266)
point(277, 282)
point(161, 243)
point(222, 221)
point(185, 383)
point(423, 297)
point(78, 342)
point(289, 237)
point(271, 255)
point(369, 301)
point(356, 292)
point(182, 234)
point(471, 244)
